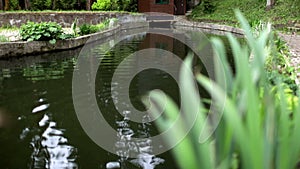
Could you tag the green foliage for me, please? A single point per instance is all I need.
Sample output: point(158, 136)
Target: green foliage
point(256, 129)
point(3, 39)
point(14, 4)
point(8, 27)
point(278, 65)
point(89, 29)
point(208, 6)
point(129, 5)
point(66, 36)
point(284, 12)
point(44, 31)
point(102, 5)
point(41, 4)
point(66, 4)
point(115, 5)
point(49, 4)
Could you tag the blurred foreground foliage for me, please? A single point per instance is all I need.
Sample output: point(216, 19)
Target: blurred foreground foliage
point(254, 115)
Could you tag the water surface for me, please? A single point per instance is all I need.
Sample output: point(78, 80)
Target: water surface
point(39, 127)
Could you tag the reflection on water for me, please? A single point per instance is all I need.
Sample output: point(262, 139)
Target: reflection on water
point(50, 148)
point(36, 109)
point(141, 148)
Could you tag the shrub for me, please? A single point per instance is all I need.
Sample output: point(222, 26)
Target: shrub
point(208, 6)
point(88, 29)
point(14, 5)
point(66, 36)
point(128, 5)
point(102, 5)
point(49, 4)
point(44, 31)
point(111, 5)
point(65, 4)
point(41, 4)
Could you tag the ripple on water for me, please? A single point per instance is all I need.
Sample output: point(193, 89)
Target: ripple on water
point(51, 149)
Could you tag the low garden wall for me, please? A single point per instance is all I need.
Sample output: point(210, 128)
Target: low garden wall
point(126, 21)
point(12, 49)
point(65, 19)
point(19, 48)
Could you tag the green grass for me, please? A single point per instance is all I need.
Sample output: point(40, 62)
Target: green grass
point(284, 12)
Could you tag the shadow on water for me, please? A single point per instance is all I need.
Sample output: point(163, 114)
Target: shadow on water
point(38, 124)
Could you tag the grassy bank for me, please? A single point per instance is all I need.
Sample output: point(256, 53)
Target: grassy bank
point(284, 13)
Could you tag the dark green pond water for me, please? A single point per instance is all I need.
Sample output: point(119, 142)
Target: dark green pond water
point(38, 124)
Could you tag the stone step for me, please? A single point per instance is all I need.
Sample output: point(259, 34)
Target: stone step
point(160, 18)
point(160, 24)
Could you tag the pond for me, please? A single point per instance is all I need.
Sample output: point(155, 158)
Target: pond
point(39, 127)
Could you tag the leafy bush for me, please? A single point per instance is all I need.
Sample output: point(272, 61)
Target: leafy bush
point(65, 4)
point(41, 4)
point(102, 5)
point(13, 4)
point(89, 29)
point(129, 5)
point(112, 5)
point(259, 120)
point(66, 36)
point(49, 4)
point(44, 31)
point(208, 6)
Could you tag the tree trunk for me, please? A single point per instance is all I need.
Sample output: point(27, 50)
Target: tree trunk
point(54, 5)
point(27, 4)
point(6, 5)
point(88, 5)
point(270, 4)
point(1, 5)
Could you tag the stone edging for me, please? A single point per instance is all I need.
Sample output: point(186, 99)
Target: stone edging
point(16, 49)
point(12, 49)
point(208, 26)
point(65, 19)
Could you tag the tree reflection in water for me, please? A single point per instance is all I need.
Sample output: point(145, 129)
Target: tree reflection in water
point(51, 149)
point(142, 148)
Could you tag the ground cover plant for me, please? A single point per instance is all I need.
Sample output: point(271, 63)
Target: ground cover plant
point(89, 29)
point(44, 31)
point(260, 118)
point(51, 31)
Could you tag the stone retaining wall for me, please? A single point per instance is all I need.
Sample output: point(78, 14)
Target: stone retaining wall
point(63, 18)
point(13, 49)
point(16, 49)
point(208, 26)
